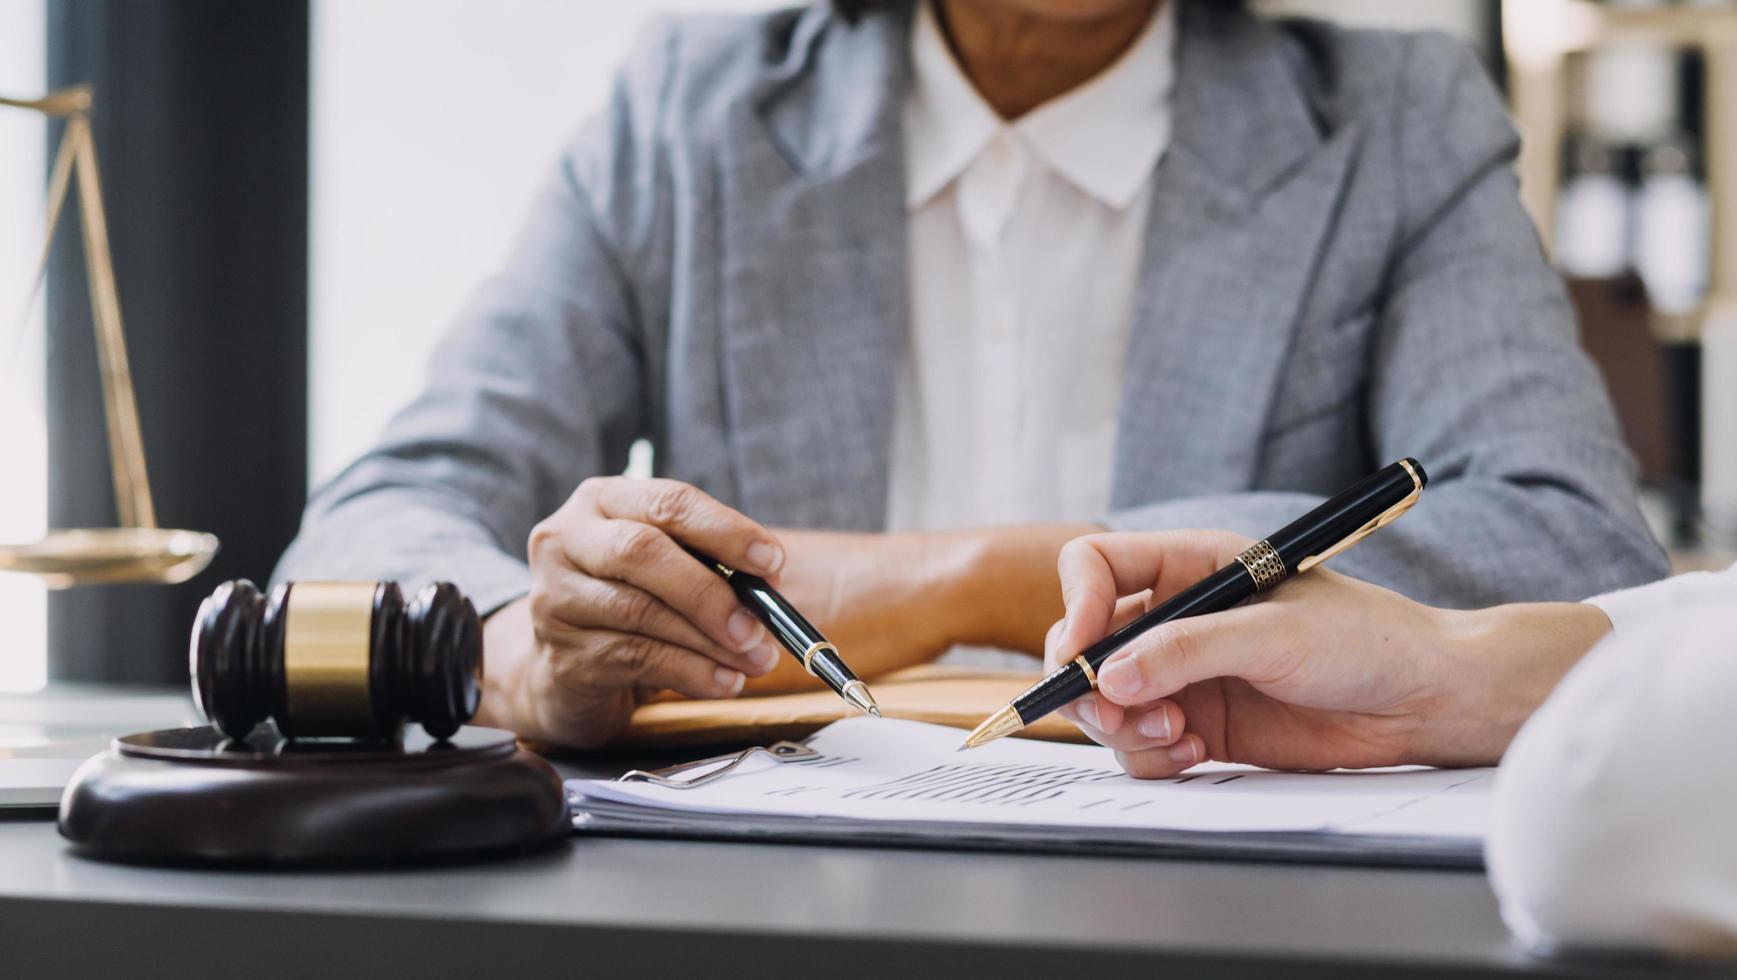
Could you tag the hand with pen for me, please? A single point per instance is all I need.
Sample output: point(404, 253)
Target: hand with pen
point(618, 611)
point(1326, 672)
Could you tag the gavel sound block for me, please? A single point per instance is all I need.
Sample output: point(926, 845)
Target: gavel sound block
point(307, 760)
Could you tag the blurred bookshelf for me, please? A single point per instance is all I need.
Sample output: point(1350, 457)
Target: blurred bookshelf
point(1628, 118)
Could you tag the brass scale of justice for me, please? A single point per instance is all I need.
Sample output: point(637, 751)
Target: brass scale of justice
point(138, 550)
point(339, 780)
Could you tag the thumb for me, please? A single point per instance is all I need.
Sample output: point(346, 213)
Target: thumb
point(1098, 569)
point(1171, 656)
point(1051, 643)
point(1089, 590)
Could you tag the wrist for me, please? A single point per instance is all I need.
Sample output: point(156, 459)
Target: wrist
point(949, 598)
point(507, 642)
point(1005, 587)
point(1502, 662)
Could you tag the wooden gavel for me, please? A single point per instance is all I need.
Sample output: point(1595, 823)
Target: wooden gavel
point(336, 659)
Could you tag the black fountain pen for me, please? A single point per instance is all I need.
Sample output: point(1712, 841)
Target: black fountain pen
point(813, 651)
point(1372, 503)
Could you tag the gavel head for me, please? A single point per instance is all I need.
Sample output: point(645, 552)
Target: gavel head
point(336, 659)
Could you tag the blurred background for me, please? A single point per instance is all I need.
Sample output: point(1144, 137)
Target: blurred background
point(302, 193)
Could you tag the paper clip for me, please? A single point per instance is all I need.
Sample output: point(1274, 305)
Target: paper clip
point(781, 751)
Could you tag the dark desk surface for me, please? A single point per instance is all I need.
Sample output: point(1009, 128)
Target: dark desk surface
point(650, 908)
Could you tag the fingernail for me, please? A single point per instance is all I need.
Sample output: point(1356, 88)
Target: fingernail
point(1120, 678)
point(765, 556)
point(1155, 724)
point(765, 657)
point(730, 681)
point(1185, 753)
point(744, 629)
point(1089, 713)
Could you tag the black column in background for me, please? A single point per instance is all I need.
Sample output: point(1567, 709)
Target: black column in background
point(1495, 47)
point(201, 123)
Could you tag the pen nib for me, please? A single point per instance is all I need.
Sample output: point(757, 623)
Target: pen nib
point(857, 693)
point(1002, 723)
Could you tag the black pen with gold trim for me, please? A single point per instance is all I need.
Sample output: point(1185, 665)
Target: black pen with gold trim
point(813, 651)
point(1370, 504)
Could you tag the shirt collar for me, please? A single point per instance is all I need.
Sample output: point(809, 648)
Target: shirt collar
point(1104, 137)
point(947, 123)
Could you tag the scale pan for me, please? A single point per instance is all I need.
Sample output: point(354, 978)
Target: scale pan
point(97, 556)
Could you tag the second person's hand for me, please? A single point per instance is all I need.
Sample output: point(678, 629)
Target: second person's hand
point(1324, 672)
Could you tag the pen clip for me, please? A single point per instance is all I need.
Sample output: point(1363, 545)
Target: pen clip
point(1383, 519)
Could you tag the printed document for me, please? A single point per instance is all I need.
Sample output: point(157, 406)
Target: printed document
point(905, 771)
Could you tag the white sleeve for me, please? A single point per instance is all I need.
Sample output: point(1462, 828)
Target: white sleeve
point(1639, 604)
point(1615, 818)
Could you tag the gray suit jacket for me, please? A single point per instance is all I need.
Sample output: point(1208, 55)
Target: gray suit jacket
point(1337, 274)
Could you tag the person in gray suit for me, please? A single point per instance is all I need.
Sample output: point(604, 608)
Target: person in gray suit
point(906, 294)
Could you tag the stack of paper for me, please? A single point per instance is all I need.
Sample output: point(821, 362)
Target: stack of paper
point(902, 782)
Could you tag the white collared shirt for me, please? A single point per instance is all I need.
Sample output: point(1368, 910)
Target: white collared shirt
point(1025, 251)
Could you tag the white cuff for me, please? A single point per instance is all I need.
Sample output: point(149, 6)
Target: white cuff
point(1629, 606)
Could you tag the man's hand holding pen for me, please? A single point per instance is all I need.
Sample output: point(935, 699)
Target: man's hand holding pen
point(1326, 672)
point(617, 610)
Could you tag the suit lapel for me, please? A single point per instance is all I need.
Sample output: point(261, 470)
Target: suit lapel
point(813, 279)
point(1241, 203)
point(813, 297)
